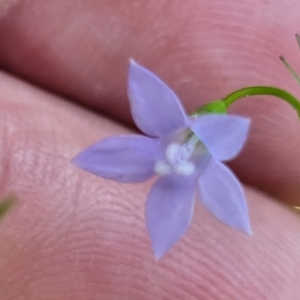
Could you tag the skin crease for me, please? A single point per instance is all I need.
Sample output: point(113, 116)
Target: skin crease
point(73, 235)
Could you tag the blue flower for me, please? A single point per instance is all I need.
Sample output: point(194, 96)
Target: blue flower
point(187, 153)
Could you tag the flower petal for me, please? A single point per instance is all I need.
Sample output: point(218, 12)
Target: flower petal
point(222, 194)
point(169, 209)
point(155, 108)
point(123, 158)
point(223, 135)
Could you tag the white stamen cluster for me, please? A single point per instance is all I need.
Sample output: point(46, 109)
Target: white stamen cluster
point(178, 158)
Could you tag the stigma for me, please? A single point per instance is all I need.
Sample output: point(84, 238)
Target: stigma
point(179, 158)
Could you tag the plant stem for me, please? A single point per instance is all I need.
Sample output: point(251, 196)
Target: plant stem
point(263, 90)
point(5, 205)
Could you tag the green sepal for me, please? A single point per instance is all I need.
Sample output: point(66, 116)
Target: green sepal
point(215, 107)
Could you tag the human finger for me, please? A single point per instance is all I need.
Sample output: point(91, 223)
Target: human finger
point(73, 235)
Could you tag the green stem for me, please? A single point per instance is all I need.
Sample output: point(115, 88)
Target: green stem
point(262, 90)
point(290, 69)
point(5, 205)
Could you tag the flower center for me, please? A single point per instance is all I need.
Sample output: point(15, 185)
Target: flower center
point(178, 158)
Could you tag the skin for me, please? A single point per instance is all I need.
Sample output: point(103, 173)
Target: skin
point(73, 235)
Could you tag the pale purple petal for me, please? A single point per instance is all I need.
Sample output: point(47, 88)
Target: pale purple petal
point(123, 158)
point(155, 108)
point(169, 209)
point(222, 194)
point(223, 135)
